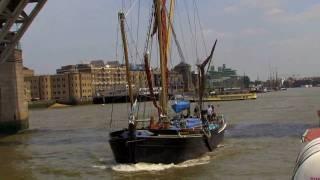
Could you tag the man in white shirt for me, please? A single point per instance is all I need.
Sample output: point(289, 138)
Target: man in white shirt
point(209, 112)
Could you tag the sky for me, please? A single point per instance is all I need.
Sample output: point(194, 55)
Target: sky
point(255, 37)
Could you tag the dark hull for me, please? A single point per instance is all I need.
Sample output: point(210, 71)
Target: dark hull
point(164, 149)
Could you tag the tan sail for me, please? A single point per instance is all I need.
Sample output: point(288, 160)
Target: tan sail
point(162, 40)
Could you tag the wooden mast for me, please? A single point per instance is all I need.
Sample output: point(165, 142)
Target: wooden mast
point(126, 57)
point(163, 65)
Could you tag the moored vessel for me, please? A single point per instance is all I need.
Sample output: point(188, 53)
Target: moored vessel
point(227, 95)
point(167, 138)
point(231, 97)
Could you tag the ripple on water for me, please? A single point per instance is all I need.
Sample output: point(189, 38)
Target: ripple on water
point(267, 130)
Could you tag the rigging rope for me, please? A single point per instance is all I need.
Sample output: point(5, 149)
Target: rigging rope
point(129, 10)
point(148, 41)
point(111, 120)
point(149, 29)
point(181, 30)
point(190, 27)
point(176, 40)
point(117, 57)
point(201, 28)
point(117, 42)
point(170, 55)
point(123, 6)
point(132, 41)
point(138, 28)
point(131, 24)
point(195, 31)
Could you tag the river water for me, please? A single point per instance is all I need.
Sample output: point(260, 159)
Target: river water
point(262, 142)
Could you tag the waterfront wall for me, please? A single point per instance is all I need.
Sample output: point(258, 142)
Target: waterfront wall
point(13, 107)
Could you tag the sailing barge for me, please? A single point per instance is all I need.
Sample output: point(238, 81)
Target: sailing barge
point(164, 145)
point(169, 139)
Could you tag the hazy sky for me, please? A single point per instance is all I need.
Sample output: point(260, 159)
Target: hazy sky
point(256, 37)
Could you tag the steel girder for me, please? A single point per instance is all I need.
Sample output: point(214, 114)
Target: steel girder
point(14, 12)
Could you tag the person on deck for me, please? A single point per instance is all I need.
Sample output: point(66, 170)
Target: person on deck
point(209, 112)
point(196, 112)
point(214, 114)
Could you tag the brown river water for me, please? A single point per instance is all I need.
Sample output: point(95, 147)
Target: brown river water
point(261, 142)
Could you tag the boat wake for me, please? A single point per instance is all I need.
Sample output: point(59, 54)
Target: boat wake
point(140, 167)
point(102, 167)
point(103, 164)
point(149, 167)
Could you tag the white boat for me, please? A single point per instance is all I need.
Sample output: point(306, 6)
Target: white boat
point(308, 161)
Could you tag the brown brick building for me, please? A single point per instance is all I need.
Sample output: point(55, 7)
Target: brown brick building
point(106, 77)
point(65, 88)
point(27, 84)
point(40, 87)
point(82, 82)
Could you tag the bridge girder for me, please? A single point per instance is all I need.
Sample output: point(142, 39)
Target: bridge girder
point(15, 12)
